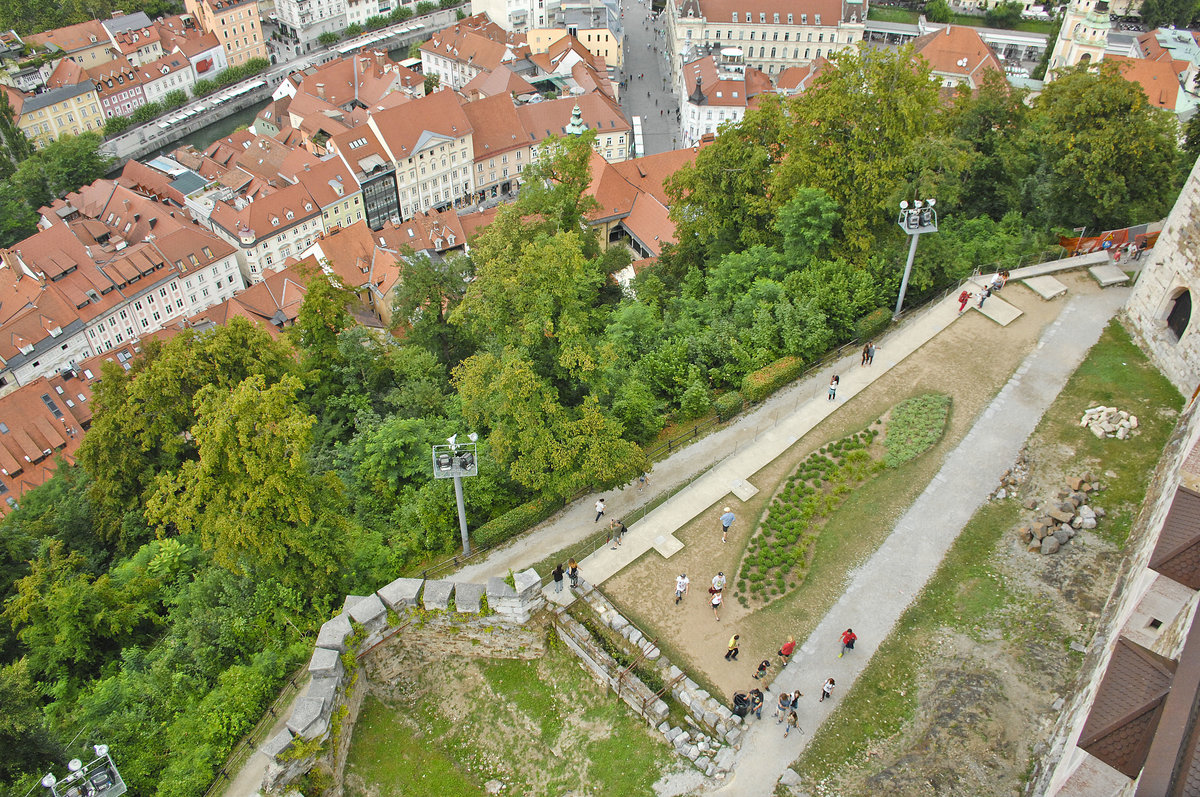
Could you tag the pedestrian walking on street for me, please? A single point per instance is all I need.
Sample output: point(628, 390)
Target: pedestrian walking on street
point(870, 353)
point(762, 669)
point(727, 519)
point(826, 690)
point(785, 652)
point(793, 721)
point(643, 480)
point(848, 638)
point(716, 605)
point(599, 510)
point(963, 298)
point(573, 572)
point(833, 386)
point(732, 653)
point(558, 577)
point(682, 584)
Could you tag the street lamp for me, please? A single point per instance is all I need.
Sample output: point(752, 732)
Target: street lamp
point(454, 461)
point(98, 778)
point(919, 218)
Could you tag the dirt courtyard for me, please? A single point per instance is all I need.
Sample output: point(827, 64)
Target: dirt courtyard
point(969, 361)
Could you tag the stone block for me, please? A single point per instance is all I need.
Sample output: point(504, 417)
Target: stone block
point(333, 633)
point(276, 744)
point(671, 734)
point(693, 752)
point(659, 711)
point(1034, 546)
point(369, 612)
point(663, 727)
point(1025, 534)
point(401, 593)
point(1050, 545)
point(308, 718)
point(1074, 482)
point(724, 759)
point(710, 718)
point(468, 597)
point(498, 588)
point(734, 735)
point(350, 601)
point(1062, 535)
point(437, 594)
point(527, 581)
point(1088, 523)
point(1061, 516)
point(325, 663)
point(325, 690)
point(635, 636)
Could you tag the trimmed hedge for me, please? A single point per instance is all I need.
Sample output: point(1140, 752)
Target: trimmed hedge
point(517, 520)
point(872, 325)
point(761, 383)
point(728, 404)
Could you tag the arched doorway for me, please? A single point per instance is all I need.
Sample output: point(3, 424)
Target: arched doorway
point(1180, 314)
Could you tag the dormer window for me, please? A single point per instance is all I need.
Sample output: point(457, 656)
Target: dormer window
point(789, 19)
point(804, 19)
point(747, 16)
point(54, 333)
point(818, 19)
point(207, 252)
point(762, 17)
point(274, 221)
point(27, 348)
point(290, 214)
point(308, 206)
point(735, 16)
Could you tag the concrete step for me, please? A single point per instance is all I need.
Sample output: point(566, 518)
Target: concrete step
point(1046, 286)
point(998, 310)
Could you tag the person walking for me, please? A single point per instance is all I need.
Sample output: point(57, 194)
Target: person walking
point(866, 348)
point(716, 605)
point(718, 582)
point(599, 510)
point(963, 298)
point(826, 690)
point(870, 353)
point(833, 386)
point(763, 666)
point(785, 705)
point(681, 587)
point(793, 721)
point(558, 577)
point(617, 529)
point(727, 519)
point(573, 572)
point(787, 650)
point(643, 480)
point(732, 653)
point(848, 638)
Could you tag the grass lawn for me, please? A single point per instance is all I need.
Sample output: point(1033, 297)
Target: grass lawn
point(969, 593)
point(540, 727)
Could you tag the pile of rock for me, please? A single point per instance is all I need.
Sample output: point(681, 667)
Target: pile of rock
point(1011, 479)
point(1109, 422)
point(1062, 518)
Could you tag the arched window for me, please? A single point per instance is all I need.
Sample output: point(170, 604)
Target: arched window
point(1180, 315)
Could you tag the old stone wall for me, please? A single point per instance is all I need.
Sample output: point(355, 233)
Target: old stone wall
point(1172, 266)
point(371, 633)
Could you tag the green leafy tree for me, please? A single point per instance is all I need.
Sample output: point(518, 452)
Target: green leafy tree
point(432, 82)
point(556, 186)
point(992, 122)
point(115, 125)
point(142, 418)
point(856, 134)
point(937, 11)
point(722, 202)
point(426, 7)
point(174, 99)
point(14, 146)
point(17, 219)
point(328, 39)
point(249, 496)
point(545, 446)
point(353, 30)
point(323, 315)
point(145, 112)
point(28, 745)
point(1162, 13)
point(427, 292)
point(1004, 15)
point(807, 223)
point(1103, 156)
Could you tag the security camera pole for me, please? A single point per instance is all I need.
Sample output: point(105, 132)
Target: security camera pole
point(919, 218)
point(454, 461)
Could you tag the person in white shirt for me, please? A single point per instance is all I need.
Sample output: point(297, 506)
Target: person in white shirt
point(681, 587)
point(599, 510)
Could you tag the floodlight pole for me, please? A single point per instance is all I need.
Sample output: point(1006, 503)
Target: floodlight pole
point(919, 218)
point(456, 460)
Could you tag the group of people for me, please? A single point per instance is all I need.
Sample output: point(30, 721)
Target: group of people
point(997, 283)
point(570, 570)
point(787, 709)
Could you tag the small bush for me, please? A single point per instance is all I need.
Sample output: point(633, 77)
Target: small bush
point(766, 380)
point(517, 520)
point(872, 325)
point(728, 404)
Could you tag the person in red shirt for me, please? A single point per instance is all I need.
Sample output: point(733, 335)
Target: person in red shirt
point(848, 637)
point(787, 650)
point(963, 298)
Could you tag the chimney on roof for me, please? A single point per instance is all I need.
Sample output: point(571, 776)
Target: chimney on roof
point(321, 90)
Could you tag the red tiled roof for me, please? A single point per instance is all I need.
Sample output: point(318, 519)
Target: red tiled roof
point(1158, 79)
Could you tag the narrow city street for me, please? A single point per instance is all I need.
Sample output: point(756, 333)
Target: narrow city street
point(648, 92)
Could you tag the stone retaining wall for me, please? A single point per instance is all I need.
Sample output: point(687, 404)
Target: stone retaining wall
point(715, 731)
point(373, 627)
